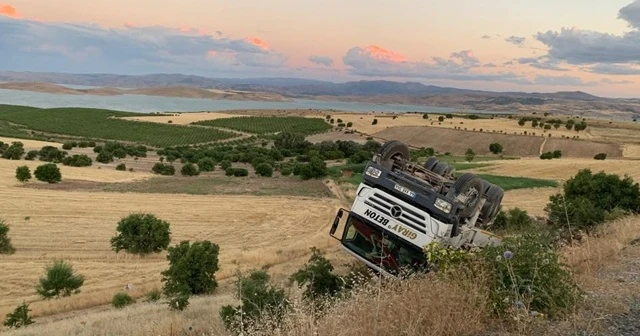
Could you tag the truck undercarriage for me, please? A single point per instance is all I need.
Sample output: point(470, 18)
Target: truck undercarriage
point(401, 207)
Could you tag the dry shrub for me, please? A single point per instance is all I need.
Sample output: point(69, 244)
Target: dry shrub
point(424, 305)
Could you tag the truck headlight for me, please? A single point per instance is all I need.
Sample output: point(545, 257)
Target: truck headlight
point(443, 205)
point(373, 172)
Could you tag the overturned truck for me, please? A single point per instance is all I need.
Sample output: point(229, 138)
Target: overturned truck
point(402, 206)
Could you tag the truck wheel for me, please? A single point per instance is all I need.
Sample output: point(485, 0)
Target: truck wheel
point(431, 163)
point(492, 206)
point(468, 189)
point(392, 152)
point(440, 168)
point(449, 172)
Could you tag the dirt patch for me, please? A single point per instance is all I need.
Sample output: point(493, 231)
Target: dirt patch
point(337, 135)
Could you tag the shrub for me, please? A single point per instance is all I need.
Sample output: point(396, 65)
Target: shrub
point(374, 122)
point(77, 161)
point(97, 149)
point(49, 173)
point(258, 299)
point(14, 152)
point(163, 169)
point(83, 144)
point(556, 154)
point(316, 168)
point(546, 156)
point(153, 295)
point(120, 153)
point(264, 169)
point(67, 146)
point(91, 144)
point(587, 198)
point(526, 275)
point(122, 300)
point(495, 148)
point(23, 174)
point(440, 118)
point(141, 234)
point(5, 242)
point(469, 155)
point(225, 164)
point(31, 155)
point(104, 156)
point(350, 124)
point(19, 318)
point(121, 167)
point(206, 164)
point(189, 170)
point(192, 269)
point(286, 171)
point(51, 154)
point(600, 156)
point(514, 219)
point(317, 275)
point(60, 281)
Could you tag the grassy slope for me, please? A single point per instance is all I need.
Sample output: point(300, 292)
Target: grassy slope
point(98, 124)
point(270, 124)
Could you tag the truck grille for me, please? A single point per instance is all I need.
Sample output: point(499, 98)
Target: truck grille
point(408, 217)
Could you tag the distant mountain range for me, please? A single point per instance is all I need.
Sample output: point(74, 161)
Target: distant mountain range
point(292, 87)
point(370, 91)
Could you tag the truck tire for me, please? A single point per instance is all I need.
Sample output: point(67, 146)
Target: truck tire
point(470, 186)
point(450, 172)
point(431, 163)
point(440, 168)
point(491, 208)
point(391, 152)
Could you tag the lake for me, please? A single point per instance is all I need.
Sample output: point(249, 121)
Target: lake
point(151, 104)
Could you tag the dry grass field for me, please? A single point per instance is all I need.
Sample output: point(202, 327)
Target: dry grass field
point(183, 118)
point(76, 226)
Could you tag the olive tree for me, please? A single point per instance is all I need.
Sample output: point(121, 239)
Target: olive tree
point(48, 173)
point(5, 241)
point(23, 174)
point(141, 234)
point(60, 280)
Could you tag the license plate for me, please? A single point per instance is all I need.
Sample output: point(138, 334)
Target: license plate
point(404, 190)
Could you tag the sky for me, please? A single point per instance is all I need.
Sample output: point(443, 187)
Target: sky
point(500, 45)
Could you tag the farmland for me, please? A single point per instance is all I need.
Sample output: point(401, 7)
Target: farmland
point(265, 124)
point(103, 124)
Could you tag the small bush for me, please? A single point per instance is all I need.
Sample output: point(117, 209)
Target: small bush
point(316, 168)
point(556, 154)
point(141, 234)
point(5, 242)
point(286, 171)
point(83, 144)
point(264, 169)
point(97, 149)
point(23, 174)
point(317, 275)
point(600, 156)
point(91, 144)
point(206, 164)
point(121, 167)
point(104, 156)
point(120, 153)
point(374, 122)
point(514, 219)
point(19, 318)
point(77, 161)
point(225, 164)
point(59, 281)
point(258, 299)
point(31, 155)
point(189, 170)
point(440, 118)
point(67, 146)
point(49, 173)
point(122, 300)
point(495, 148)
point(469, 155)
point(153, 295)
point(163, 169)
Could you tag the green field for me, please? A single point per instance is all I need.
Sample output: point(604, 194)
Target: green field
point(265, 125)
point(99, 124)
point(511, 183)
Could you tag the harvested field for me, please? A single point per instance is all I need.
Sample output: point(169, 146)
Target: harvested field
point(76, 226)
point(533, 201)
point(577, 149)
point(457, 142)
point(560, 169)
point(335, 136)
point(631, 151)
point(182, 118)
point(31, 144)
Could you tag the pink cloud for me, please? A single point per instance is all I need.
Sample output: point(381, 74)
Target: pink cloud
point(10, 11)
point(258, 43)
point(383, 54)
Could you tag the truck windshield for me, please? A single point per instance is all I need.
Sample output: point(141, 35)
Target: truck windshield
point(382, 248)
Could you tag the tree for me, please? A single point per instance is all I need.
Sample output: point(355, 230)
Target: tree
point(141, 234)
point(19, 318)
point(521, 122)
point(556, 125)
point(600, 156)
point(316, 168)
point(67, 146)
point(425, 116)
point(495, 148)
point(77, 161)
point(190, 170)
point(206, 164)
point(192, 268)
point(556, 154)
point(121, 167)
point(264, 169)
point(374, 122)
point(469, 155)
point(60, 281)
point(23, 174)
point(163, 169)
point(5, 242)
point(48, 173)
point(547, 127)
point(225, 164)
point(317, 275)
point(534, 123)
point(104, 156)
point(31, 155)
point(14, 152)
point(440, 118)
point(120, 153)
point(350, 124)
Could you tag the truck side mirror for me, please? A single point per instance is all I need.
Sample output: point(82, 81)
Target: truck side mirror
point(336, 221)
